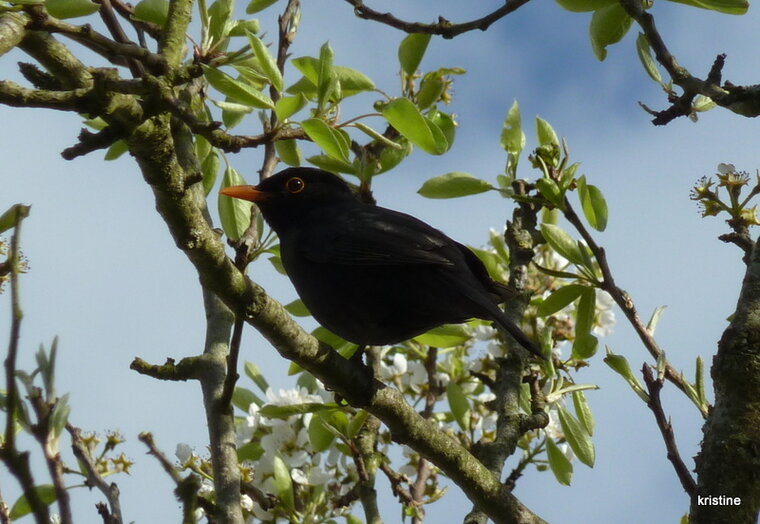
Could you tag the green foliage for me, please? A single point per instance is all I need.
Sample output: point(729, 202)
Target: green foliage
point(411, 51)
point(154, 11)
point(453, 185)
point(72, 8)
point(234, 213)
point(608, 26)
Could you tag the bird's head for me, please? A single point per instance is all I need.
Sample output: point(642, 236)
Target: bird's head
point(289, 195)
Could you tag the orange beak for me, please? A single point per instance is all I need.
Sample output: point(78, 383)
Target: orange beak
point(250, 193)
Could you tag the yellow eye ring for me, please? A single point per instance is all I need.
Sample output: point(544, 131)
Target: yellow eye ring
point(295, 185)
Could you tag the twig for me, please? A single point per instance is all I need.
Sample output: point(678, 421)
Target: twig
point(743, 100)
point(396, 480)
point(621, 298)
point(17, 462)
point(443, 27)
point(286, 35)
point(654, 385)
point(186, 369)
point(147, 439)
point(232, 362)
point(114, 27)
point(89, 142)
point(110, 491)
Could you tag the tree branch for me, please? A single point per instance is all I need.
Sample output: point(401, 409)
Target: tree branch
point(729, 460)
point(742, 100)
point(184, 211)
point(654, 386)
point(110, 491)
point(443, 27)
point(623, 299)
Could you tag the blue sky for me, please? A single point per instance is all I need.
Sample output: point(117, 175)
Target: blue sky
point(106, 278)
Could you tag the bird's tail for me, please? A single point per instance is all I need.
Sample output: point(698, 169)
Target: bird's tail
point(507, 325)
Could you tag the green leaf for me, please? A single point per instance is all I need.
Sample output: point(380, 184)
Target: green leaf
point(220, 23)
point(645, 55)
point(234, 213)
point(46, 494)
point(583, 410)
point(577, 437)
point(243, 27)
point(513, 137)
point(328, 138)
point(559, 463)
point(236, 89)
point(289, 152)
point(254, 373)
point(620, 365)
point(391, 157)
point(77, 8)
point(60, 415)
point(258, 5)
point(287, 106)
point(117, 149)
point(431, 89)
point(559, 299)
point(460, 406)
point(283, 483)
point(411, 50)
point(608, 26)
point(327, 80)
point(582, 6)
point(585, 343)
point(351, 81)
point(331, 164)
point(320, 437)
point(251, 451)
point(446, 124)
point(545, 133)
point(267, 61)
point(593, 203)
point(232, 113)
point(403, 115)
point(297, 308)
point(562, 243)
point(453, 185)
point(210, 170)
point(356, 423)
point(445, 336)
point(242, 398)
point(655, 319)
point(729, 7)
point(12, 216)
point(551, 191)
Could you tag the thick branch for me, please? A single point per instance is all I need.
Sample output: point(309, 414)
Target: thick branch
point(729, 461)
point(184, 213)
point(443, 27)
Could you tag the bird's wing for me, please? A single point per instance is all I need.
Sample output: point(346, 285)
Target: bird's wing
point(371, 235)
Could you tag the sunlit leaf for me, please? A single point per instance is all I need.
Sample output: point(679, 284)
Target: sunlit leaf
point(460, 406)
point(283, 483)
point(559, 463)
point(411, 50)
point(608, 26)
point(237, 90)
point(452, 185)
point(577, 437)
point(77, 8)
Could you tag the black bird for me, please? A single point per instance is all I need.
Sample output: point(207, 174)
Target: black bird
point(372, 275)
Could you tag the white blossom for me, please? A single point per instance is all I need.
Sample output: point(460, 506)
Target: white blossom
point(183, 452)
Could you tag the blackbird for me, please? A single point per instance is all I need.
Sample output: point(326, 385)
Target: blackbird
point(372, 275)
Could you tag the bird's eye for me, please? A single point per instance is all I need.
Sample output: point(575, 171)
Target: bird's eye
point(295, 185)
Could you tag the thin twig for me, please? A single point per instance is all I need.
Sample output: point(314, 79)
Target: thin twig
point(443, 27)
point(654, 385)
point(621, 298)
point(111, 491)
point(232, 363)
